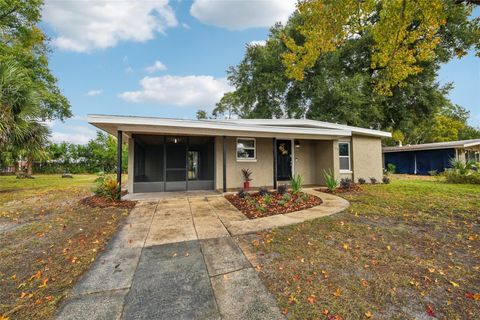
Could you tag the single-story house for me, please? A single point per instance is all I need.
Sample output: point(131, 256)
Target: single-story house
point(422, 158)
point(174, 154)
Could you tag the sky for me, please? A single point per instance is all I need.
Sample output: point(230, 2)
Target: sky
point(169, 58)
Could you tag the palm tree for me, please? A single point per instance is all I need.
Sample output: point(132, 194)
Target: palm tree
point(20, 132)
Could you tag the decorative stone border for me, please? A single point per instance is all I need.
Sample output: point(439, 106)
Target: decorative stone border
point(236, 225)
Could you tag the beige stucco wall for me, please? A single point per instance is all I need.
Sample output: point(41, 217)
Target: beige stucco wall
point(262, 168)
point(367, 157)
point(130, 168)
point(305, 161)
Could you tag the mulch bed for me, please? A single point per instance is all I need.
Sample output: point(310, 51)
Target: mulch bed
point(253, 205)
point(101, 202)
point(352, 188)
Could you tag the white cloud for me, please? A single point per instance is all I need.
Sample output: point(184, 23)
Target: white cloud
point(87, 25)
point(93, 93)
point(75, 134)
point(257, 43)
point(157, 66)
point(188, 91)
point(240, 15)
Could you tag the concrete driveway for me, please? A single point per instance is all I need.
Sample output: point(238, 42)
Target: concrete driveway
point(173, 259)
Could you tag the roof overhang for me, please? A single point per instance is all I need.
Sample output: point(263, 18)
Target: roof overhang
point(307, 123)
point(435, 146)
point(150, 125)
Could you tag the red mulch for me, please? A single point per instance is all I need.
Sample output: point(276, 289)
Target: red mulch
point(353, 188)
point(249, 205)
point(101, 202)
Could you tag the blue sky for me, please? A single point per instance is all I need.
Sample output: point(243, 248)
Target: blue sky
point(169, 58)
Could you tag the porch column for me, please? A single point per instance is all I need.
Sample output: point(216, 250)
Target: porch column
point(119, 163)
point(274, 145)
point(224, 164)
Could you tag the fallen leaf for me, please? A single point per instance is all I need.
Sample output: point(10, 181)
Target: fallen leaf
point(312, 299)
point(285, 311)
point(454, 284)
point(430, 311)
point(3, 317)
point(368, 314)
point(431, 270)
point(337, 293)
point(389, 248)
point(44, 283)
point(345, 246)
point(474, 296)
point(13, 277)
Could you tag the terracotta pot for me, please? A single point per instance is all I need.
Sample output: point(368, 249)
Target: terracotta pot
point(246, 185)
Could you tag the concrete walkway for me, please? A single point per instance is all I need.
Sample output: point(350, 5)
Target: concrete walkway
point(173, 259)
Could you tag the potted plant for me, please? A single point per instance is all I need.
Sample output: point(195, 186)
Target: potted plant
point(246, 173)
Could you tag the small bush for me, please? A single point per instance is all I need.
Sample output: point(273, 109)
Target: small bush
point(346, 183)
point(286, 197)
point(263, 191)
point(386, 180)
point(247, 173)
point(433, 173)
point(267, 198)
point(281, 203)
point(296, 183)
point(330, 180)
point(107, 187)
point(373, 180)
point(305, 197)
point(261, 208)
point(241, 193)
point(391, 168)
point(282, 189)
point(361, 181)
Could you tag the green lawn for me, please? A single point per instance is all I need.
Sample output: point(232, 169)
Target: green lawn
point(407, 250)
point(47, 240)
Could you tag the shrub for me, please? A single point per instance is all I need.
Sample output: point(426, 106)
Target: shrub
point(296, 183)
point(346, 183)
point(281, 203)
point(282, 189)
point(263, 191)
point(247, 173)
point(373, 180)
point(462, 172)
point(433, 173)
point(305, 197)
point(330, 180)
point(261, 208)
point(107, 187)
point(286, 197)
point(386, 179)
point(267, 198)
point(391, 168)
point(241, 193)
point(361, 181)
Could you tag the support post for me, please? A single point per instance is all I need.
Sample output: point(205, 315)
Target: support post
point(119, 163)
point(274, 146)
point(224, 164)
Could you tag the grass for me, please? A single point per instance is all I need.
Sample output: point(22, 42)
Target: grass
point(407, 250)
point(47, 240)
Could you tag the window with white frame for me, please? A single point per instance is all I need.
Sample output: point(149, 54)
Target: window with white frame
point(246, 149)
point(344, 153)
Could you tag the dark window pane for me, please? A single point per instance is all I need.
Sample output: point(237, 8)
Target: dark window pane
point(343, 149)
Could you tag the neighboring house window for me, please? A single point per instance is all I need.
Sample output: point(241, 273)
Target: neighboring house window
point(344, 152)
point(246, 149)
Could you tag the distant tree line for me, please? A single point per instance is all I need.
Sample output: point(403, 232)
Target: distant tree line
point(98, 155)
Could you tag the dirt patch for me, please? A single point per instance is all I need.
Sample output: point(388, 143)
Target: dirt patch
point(256, 205)
point(101, 202)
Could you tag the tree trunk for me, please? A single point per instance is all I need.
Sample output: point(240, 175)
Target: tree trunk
point(29, 166)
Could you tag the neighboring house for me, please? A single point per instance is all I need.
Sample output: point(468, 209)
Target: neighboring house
point(422, 158)
point(174, 154)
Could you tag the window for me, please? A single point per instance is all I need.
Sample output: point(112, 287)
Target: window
point(344, 152)
point(246, 149)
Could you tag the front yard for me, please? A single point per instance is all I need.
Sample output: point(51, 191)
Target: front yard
point(47, 240)
point(407, 250)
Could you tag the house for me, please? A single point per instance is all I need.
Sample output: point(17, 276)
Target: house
point(174, 154)
point(422, 158)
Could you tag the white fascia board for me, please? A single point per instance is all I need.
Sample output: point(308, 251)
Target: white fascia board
point(471, 144)
point(315, 124)
point(210, 124)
